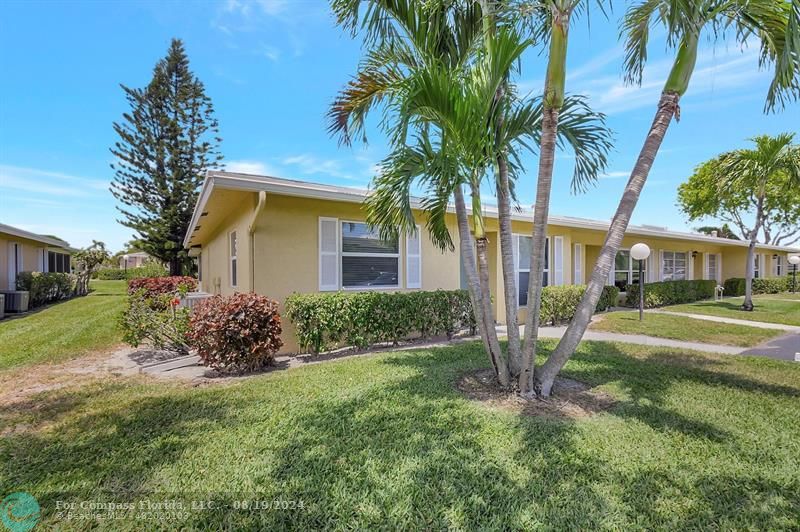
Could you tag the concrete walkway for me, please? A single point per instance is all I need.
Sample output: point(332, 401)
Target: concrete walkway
point(734, 321)
point(640, 339)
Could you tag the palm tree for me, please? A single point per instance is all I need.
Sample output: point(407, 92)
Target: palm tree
point(774, 23)
point(548, 19)
point(440, 80)
point(774, 159)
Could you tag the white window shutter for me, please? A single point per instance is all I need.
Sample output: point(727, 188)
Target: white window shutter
point(40, 259)
point(720, 280)
point(515, 253)
point(558, 260)
point(651, 268)
point(414, 259)
point(328, 254)
point(577, 256)
point(660, 264)
point(689, 266)
point(705, 265)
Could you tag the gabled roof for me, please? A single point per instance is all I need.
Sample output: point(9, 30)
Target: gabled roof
point(21, 233)
point(289, 187)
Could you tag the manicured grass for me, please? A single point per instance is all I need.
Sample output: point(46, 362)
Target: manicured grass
point(783, 295)
point(768, 310)
point(682, 328)
point(64, 330)
point(694, 442)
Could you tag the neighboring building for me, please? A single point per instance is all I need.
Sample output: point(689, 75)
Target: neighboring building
point(23, 251)
point(134, 259)
point(278, 236)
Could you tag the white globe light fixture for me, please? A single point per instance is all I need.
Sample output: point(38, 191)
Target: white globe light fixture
point(640, 252)
point(794, 260)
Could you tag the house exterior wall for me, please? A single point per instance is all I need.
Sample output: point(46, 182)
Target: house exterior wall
point(282, 255)
point(31, 250)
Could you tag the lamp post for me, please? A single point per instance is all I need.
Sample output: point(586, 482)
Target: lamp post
point(640, 252)
point(125, 258)
point(794, 260)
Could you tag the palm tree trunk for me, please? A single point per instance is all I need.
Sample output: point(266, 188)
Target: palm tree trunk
point(667, 108)
point(749, 272)
point(483, 318)
point(554, 88)
point(540, 214)
point(509, 270)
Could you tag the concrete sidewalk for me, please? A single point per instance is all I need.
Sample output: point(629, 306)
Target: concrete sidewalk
point(640, 339)
point(734, 321)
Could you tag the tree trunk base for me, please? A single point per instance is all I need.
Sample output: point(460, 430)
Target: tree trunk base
point(747, 306)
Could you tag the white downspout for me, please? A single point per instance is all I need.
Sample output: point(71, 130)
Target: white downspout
point(251, 229)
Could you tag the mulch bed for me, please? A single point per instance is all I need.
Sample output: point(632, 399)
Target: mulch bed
point(570, 399)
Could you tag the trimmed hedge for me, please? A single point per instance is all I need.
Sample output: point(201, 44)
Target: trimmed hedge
point(361, 319)
point(120, 274)
point(559, 303)
point(46, 287)
point(157, 286)
point(770, 285)
point(671, 292)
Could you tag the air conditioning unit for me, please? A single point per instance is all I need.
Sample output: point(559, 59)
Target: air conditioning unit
point(16, 300)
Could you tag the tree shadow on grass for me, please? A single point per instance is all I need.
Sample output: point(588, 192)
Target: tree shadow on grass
point(404, 450)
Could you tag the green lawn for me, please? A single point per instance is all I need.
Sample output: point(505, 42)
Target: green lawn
point(694, 442)
point(783, 295)
point(682, 328)
point(64, 330)
point(768, 310)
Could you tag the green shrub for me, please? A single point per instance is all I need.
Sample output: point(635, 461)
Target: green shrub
point(157, 320)
point(671, 292)
point(559, 303)
point(239, 332)
point(770, 285)
point(361, 319)
point(46, 287)
point(148, 269)
point(607, 299)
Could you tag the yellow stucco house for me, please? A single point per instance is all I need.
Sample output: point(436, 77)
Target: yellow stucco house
point(23, 251)
point(278, 236)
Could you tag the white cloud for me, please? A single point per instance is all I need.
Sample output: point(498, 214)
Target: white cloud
point(48, 182)
point(711, 77)
point(249, 167)
point(615, 175)
point(310, 165)
point(270, 52)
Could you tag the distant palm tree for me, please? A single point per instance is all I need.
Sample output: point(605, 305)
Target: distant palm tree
point(723, 232)
point(774, 23)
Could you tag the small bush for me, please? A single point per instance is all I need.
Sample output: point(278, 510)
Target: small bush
point(239, 332)
point(608, 298)
point(664, 293)
point(158, 286)
point(46, 287)
point(158, 320)
point(361, 319)
point(771, 285)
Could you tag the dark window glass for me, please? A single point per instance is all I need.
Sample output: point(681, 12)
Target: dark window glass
point(369, 271)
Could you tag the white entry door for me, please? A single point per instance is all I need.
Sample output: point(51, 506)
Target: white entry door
point(14, 264)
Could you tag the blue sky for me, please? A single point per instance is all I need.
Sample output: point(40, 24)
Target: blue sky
point(272, 67)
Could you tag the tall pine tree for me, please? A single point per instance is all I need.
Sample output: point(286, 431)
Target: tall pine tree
point(166, 143)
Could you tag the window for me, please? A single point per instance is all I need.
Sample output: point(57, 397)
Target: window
point(778, 265)
point(626, 270)
point(234, 248)
point(367, 260)
point(673, 266)
point(757, 266)
point(524, 246)
point(58, 262)
point(711, 272)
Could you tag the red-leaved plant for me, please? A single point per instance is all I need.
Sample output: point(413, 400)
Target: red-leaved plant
point(241, 332)
point(157, 286)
